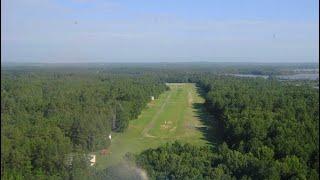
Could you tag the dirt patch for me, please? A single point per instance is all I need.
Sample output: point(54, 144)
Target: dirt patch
point(132, 126)
point(150, 104)
point(166, 125)
point(174, 128)
point(148, 135)
point(190, 99)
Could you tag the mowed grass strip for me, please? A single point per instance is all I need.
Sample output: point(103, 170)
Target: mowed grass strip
point(174, 118)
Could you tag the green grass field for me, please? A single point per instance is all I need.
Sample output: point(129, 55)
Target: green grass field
point(173, 116)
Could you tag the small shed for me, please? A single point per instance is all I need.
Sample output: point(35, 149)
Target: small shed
point(152, 98)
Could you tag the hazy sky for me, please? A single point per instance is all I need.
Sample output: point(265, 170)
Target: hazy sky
point(159, 30)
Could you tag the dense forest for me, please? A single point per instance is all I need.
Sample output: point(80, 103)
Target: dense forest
point(52, 117)
point(48, 118)
point(270, 130)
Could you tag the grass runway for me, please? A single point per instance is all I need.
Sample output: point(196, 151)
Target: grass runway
point(173, 116)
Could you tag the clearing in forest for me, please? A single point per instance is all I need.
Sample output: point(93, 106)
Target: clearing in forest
point(173, 116)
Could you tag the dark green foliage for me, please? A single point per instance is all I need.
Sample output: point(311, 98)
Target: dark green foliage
point(46, 116)
point(185, 161)
point(264, 113)
point(271, 130)
point(177, 161)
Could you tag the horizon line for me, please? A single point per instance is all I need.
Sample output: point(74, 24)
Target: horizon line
point(161, 62)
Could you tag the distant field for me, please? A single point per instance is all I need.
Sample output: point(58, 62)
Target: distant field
point(173, 116)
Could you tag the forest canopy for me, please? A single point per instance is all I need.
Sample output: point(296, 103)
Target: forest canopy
point(51, 116)
point(46, 117)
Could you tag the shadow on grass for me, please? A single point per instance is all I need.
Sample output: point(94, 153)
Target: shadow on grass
point(211, 130)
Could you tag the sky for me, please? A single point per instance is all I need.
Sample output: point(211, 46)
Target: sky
point(159, 31)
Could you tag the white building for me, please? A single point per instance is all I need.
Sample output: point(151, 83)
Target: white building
point(152, 98)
